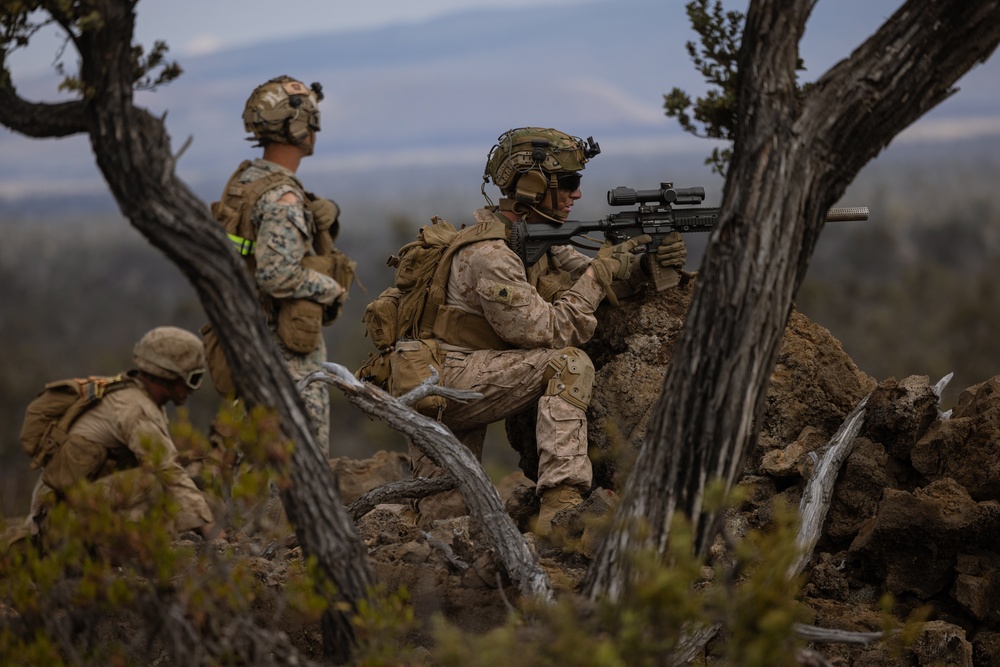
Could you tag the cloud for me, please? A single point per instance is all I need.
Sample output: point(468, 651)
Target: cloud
point(612, 102)
point(951, 129)
point(202, 45)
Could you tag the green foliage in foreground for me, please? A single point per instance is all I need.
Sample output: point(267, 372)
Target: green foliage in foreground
point(746, 598)
point(103, 590)
point(99, 587)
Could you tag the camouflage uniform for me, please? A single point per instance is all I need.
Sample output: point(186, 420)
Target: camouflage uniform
point(123, 446)
point(284, 236)
point(489, 280)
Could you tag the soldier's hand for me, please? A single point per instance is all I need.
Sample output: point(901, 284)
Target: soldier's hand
point(615, 263)
point(324, 212)
point(672, 252)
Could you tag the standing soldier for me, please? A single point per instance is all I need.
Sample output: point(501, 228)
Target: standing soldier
point(120, 444)
point(512, 332)
point(285, 235)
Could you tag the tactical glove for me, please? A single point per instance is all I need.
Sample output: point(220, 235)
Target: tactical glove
point(615, 263)
point(672, 253)
point(325, 213)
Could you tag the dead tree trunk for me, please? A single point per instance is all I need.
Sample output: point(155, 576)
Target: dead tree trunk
point(794, 156)
point(133, 152)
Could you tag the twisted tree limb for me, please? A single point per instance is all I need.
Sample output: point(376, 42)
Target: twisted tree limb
point(133, 152)
point(435, 440)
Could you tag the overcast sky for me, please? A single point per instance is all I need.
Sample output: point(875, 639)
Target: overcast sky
point(193, 27)
point(200, 26)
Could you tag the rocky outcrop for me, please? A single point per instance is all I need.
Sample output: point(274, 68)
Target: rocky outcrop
point(915, 510)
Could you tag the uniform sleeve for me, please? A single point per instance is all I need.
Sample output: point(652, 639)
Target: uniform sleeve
point(575, 262)
point(282, 241)
point(143, 428)
point(570, 259)
point(516, 311)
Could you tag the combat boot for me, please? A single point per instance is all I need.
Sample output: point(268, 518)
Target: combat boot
point(553, 501)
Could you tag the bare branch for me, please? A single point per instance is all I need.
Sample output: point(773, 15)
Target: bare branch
point(435, 440)
point(818, 493)
point(430, 387)
point(811, 633)
point(37, 120)
point(395, 492)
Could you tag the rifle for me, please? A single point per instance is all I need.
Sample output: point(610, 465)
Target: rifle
point(656, 216)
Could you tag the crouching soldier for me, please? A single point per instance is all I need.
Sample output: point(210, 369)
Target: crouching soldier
point(513, 331)
point(112, 434)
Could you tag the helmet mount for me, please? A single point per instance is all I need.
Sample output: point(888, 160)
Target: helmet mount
point(283, 110)
point(526, 164)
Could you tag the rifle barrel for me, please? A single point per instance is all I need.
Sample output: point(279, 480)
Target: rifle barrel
point(848, 214)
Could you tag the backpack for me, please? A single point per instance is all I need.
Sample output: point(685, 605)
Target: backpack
point(50, 415)
point(409, 309)
point(401, 321)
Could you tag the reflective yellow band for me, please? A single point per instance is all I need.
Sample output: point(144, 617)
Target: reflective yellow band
point(243, 246)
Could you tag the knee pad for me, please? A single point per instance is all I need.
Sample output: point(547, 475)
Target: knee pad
point(570, 375)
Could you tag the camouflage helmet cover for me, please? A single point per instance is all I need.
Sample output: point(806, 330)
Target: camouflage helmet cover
point(283, 110)
point(170, 353)
point(538, 150)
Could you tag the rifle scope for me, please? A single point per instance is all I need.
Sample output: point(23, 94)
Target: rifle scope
point(667, 194)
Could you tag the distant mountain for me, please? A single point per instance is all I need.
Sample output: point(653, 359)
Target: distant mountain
point(415, 107)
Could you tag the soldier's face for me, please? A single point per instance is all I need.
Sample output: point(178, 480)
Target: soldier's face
point(566, 198)
point(178, 391)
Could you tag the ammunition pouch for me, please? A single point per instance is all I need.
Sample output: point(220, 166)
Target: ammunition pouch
point(300, 321)
point(300, 325)
point(376, 369)
point(344, 270)
point(381, 318)
point(410, 363)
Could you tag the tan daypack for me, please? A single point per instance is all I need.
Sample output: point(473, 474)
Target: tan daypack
point(405, 321)
point(50, 415)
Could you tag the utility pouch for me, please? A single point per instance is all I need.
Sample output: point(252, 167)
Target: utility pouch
point(381, 318)
point(300, 321)
point(376, 369)
point(300, 325)
point(48, 444)
point(218, 366)
point(410, 364)
point(342, 269)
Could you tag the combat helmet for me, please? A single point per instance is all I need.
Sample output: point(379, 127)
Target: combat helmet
point(283, 110)
point(171, 353)
point(526, 164)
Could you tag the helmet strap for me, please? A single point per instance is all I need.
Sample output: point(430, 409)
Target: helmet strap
point(553, 192)
point(549, 214)
point(509, 205)
point(522, 209)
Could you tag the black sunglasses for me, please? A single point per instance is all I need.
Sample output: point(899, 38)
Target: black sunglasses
point(569, 181)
